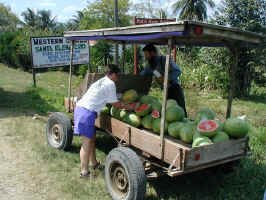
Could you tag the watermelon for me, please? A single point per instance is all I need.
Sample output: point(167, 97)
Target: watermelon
point(143, 109)
point(155, 114)
point(186, 133)
point(130, 106)
point(174, 129)
point(129, 96)
point(156, 124)
point(147, 122)
point(236, 127)
point(207, 128)
point(147, 99)
point(105, 110)
point(123, 114)
point(171, 103)
point(220, 137)
point(200, 141)
point(156, 105)
point(205, 113)
point(175, 113)
point(115, 112)
point(133, 120)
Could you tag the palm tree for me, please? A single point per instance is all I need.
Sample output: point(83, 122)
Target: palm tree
point(30, 18)
point(8, 20)
point(193, 9)
point(73, 24)
point(45, 20)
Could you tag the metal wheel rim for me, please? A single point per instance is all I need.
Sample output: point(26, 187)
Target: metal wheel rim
point(119, 179)
point(56, 135)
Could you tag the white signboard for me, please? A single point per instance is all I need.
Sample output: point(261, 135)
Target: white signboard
point(55, 51)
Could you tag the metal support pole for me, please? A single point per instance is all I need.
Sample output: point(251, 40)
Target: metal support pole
point(135, 59)
point(116, 25)
point(89, 64)
point(123, 57)
point(34, 76)
point(165, 90)
point(174, 53)
point(232, 75)
point(70, 75)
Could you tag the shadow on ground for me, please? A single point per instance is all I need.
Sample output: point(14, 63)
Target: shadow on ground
point(104, 143)
point(221, 182)
point(23, 103)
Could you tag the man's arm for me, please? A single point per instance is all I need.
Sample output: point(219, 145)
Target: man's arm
point(146, 72)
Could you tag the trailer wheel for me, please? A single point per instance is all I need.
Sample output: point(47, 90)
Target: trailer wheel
point(124, 175)
point(59, 131)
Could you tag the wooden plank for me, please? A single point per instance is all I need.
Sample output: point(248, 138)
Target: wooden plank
point(231, 35)
point(165, 91)
point(173, 154)
point(146, 141)
point(70, 75)
point(113, 126)
point(142, 139)
point(209, 30)
point(218, 151)
point(149, 143)
point(224, 28)
point(232, 76)
point(200, 167)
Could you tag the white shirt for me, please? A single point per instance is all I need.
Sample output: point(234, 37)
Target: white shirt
point(98, 95)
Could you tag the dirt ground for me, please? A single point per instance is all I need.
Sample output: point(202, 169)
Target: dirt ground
point(22, 177)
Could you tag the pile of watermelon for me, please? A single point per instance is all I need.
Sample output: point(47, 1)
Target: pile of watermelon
point(145, 111)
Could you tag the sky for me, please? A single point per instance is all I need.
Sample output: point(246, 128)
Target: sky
point(64, 9)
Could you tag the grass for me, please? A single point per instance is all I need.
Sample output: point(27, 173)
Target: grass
point(60, 169)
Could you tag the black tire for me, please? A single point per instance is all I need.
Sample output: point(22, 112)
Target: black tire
point(59, 132)
point(124, 175)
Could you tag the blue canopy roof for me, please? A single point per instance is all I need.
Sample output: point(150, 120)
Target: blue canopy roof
point(129, 38)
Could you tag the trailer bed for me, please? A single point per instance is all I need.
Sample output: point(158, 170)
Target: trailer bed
point(180, 156)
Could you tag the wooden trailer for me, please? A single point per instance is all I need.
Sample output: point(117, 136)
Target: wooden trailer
point(140, 150)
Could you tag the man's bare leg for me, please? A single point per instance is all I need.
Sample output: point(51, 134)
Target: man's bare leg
point(92, 156)
point(85, 152)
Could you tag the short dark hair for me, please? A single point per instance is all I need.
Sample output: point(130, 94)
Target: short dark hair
point(150, 48)
point(112, 68)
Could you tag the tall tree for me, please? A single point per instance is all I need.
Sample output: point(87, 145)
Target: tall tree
point(8, 20)
point(41, 20)
point(100, 14)
point(192, 9)
point(248, 15)
point(45, 20)
point(74, 23)
point(30, 18)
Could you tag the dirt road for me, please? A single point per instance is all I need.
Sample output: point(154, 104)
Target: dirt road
point(21, 176)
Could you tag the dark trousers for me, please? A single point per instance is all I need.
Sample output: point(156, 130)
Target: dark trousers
point(176, 92)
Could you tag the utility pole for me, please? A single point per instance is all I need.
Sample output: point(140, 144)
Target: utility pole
point(116, 25)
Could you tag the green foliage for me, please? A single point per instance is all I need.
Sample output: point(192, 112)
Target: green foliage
point(15, 46)
point(8, 20)
point(60, 166)
point(129, 59)
point(247, 15)
point(203, 68)
point(192, 10)
point(41, 20)
point(100, 14)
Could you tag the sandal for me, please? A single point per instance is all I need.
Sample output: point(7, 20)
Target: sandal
point(85, 175)
point(98, 165)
